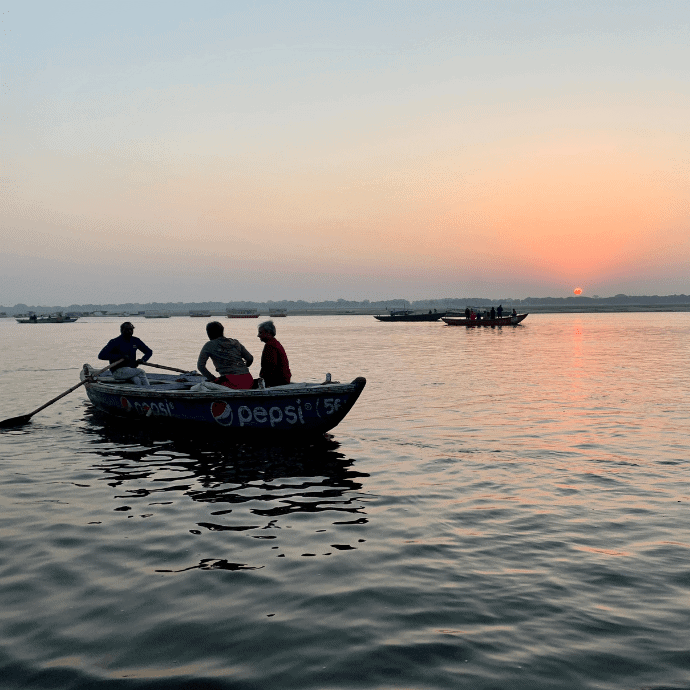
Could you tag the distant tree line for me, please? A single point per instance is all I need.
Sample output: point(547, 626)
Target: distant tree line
point(343, 304)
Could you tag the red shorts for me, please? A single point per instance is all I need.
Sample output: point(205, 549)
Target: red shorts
point(236, 381)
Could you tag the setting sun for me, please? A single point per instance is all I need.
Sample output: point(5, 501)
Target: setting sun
point(578, 291)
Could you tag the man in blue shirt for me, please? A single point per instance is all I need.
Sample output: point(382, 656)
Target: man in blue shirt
point(125, 347)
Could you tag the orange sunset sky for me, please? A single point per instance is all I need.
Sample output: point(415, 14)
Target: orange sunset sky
point(177, 151)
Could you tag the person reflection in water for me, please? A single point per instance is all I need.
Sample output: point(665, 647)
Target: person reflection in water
point(125, 347)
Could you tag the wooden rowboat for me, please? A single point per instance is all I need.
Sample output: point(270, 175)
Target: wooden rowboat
point(242, 313)
point(409, 315)
point(296, 409)
point(470, 323)
point(53, 318)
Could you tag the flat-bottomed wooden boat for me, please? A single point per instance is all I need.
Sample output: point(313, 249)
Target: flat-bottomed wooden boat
point(53, 318)
point(409, 315)
point(297, 409)
point(472, 323)
point(242, 313)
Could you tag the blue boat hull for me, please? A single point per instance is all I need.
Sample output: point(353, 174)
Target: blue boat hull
point(300, 409)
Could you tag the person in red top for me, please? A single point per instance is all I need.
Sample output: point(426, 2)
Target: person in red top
point(275, 368)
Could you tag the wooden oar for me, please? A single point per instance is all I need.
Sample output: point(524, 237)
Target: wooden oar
point(160, 366)
point(23, 419)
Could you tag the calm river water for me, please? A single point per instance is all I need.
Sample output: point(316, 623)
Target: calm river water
point(503, 508)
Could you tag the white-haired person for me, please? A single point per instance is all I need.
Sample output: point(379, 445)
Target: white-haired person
point(275, 368)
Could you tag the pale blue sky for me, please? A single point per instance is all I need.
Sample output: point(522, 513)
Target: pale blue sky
point(315, 150)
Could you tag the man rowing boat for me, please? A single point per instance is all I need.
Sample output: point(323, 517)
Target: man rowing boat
point(125, 347)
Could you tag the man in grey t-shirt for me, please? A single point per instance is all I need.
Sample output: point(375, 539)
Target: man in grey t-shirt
point(230, 358)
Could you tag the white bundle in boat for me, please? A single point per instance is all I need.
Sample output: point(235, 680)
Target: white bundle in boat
point(208, 386)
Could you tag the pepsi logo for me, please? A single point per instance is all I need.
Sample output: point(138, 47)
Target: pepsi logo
point(222, 413)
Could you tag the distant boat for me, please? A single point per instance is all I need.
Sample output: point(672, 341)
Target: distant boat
point(202, 314)
point(157, 315)
point(242, 313)
point(59, 317)
point(277, 312)
point(472, 323)
point(409, 315)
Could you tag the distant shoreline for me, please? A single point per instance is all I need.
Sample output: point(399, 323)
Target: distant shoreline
point(522, 309)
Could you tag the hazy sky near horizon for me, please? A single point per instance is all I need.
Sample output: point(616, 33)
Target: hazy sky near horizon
point(193, 151)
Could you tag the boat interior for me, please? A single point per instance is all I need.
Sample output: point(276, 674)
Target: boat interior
point(171, 382)
point(159, 382)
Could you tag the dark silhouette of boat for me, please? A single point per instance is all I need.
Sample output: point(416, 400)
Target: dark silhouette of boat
point(241, 313)
point(498, 321)
point(59, 317)
point(409, 315)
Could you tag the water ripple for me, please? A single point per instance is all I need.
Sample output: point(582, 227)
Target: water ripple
point(502, 509)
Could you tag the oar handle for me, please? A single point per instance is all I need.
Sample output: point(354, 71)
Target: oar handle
point(73, 388)
point(160, 366)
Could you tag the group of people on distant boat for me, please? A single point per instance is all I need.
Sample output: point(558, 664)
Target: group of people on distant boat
point(494, 313)
point(230, 358)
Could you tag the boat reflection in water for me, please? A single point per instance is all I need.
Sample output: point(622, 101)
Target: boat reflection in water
point(261, 500)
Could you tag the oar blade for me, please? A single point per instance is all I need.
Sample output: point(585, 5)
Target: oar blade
point(15, 421)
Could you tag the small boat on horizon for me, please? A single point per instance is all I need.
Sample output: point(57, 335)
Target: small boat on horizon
point(241, 313)
point(509, 320)
point(203, 314)
point(58, 317)
point(157, 315)
point(409, 315)
point(276, 313)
